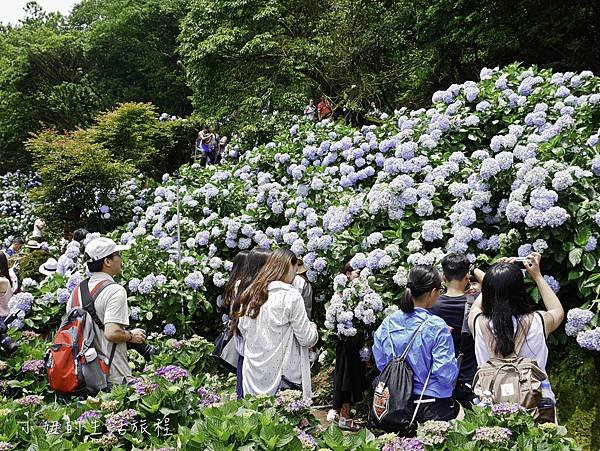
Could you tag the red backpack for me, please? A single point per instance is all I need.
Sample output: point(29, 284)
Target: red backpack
point(73, 364)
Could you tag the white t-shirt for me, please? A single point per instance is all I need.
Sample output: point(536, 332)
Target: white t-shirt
point(111, 307)
point(38, 225)
point(534, 348)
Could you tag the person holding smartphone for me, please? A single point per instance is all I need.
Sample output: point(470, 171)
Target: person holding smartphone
point(504, 304)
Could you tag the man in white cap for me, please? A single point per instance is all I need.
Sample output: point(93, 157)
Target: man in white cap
point(110, 305)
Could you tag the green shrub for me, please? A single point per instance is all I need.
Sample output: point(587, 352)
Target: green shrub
point(76, 175)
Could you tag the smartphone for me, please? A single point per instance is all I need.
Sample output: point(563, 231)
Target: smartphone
point(521, 259)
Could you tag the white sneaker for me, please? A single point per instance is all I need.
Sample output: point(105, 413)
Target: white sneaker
point(332, 416)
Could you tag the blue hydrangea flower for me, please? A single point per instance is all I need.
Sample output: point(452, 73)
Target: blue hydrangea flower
point(194, 280)
point(169, 329)
point(577, 319)
point(591, 244)
point(553, 283)
point(589, 339)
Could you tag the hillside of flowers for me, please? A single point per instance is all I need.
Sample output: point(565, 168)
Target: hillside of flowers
point(502, 166)
point(496, 167)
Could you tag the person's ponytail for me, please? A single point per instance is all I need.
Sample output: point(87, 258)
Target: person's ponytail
point(407, 304)
point(421, 279)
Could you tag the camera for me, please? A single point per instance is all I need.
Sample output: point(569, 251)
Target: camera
point(6, 343)
point(144, 349)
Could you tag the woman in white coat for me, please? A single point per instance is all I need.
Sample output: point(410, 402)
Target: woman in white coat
point(276, 330)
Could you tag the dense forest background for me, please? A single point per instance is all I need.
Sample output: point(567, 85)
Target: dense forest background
point(226, 61)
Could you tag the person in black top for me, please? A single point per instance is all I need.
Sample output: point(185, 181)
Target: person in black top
point(453, 307)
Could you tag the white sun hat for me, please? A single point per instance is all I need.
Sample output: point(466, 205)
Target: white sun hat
point(49, 267)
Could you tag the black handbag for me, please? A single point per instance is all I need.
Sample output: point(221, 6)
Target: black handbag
point(393, 408)
point(225, 351)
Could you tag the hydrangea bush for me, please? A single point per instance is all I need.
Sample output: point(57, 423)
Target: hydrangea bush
point(16, 208)
point(501, 166)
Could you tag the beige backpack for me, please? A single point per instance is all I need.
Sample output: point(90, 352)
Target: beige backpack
point(510, 379)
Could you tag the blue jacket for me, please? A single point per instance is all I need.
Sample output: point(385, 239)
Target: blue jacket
point(432, 346)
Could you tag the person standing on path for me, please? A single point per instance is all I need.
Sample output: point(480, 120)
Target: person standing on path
point(104, 262)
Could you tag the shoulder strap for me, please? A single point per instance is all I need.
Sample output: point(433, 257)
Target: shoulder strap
point(523, 325)
point(410, 343)
point(542, 320)
point(88, 298)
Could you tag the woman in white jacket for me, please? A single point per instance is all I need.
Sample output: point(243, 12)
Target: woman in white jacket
point(276, 330)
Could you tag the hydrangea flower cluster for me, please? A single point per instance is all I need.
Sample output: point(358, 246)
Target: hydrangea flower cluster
point(505, 408)
point(207, 396)
point(577, 319)
point(30, 400)
point(492, 435)
point(433, 432)
point(143, 387)
point(33, 366)
point(307, 440)
point(404, 444)
point(292, 401)
point(120, 421)
point(89, 415)
point(356, 307)
point(172, 373)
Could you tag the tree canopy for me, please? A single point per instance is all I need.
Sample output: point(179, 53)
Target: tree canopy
point(231, 59)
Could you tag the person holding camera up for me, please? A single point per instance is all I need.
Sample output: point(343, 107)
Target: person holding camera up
point(108, 308)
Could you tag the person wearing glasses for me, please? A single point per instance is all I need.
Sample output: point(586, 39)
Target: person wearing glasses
point(462, 287)
point(103, 257)
point(431, 355)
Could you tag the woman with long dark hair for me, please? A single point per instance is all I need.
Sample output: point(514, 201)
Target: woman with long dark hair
point(504, 307)
point(254, 262)
point(427, 342)
point(276, 330)
point(238, 271)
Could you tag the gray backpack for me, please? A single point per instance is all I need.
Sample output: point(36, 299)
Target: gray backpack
point(510, 379)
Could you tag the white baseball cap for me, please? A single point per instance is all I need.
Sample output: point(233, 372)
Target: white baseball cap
point(100, 248)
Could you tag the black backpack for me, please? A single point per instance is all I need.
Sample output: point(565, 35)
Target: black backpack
point(392, 409)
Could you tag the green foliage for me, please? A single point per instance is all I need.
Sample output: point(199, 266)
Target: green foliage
point(30, 263)
point(575, 377)
point(126, 132)
point(76, 175)
point(42, 83)
point(130, 50)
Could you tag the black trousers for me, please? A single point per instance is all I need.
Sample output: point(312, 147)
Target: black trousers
point(442, 409)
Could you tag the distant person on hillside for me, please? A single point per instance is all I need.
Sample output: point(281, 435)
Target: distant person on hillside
point(310, 111)
point(38, 230)
point(163, 117)
point(205, 139)
point(324, 108)
point(374, 111)
point(15, 247)
point(221, 149)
